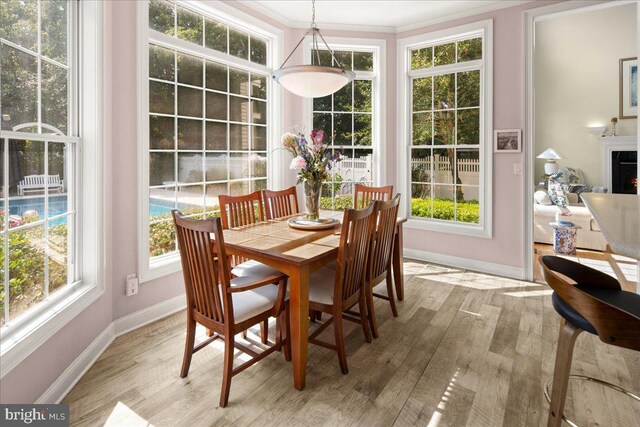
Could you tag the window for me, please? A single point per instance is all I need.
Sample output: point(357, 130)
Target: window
point(447, 118)
point(350, 119)
point(39, 151)
point(207, 127)
point(51, 246)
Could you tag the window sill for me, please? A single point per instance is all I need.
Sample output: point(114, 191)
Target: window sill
point(24, 336)
point(161, 266)
point(471, 230)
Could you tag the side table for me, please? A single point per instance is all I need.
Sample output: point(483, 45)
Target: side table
point(564, 237)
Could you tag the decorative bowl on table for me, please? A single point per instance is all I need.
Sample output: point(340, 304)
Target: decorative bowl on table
point(302, 223)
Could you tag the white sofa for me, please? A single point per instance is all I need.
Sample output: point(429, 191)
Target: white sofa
point(589, 236)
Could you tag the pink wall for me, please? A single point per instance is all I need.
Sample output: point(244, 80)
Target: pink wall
point(32, 377)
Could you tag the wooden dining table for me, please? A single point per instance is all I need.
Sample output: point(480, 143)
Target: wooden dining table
point(298, 253)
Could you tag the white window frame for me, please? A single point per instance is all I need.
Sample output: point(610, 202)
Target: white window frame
point(150, 268)
point(405, 74)
point(25, 334)
point(379, 81)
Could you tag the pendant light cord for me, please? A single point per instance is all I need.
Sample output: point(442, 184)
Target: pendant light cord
point(315, 32)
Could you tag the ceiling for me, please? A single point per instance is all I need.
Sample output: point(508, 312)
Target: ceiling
point(384, 16)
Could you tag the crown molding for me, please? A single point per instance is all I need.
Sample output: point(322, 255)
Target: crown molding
point(264, 10)
point(459, 15)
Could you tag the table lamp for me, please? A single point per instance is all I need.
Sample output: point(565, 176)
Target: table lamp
point(550, 155)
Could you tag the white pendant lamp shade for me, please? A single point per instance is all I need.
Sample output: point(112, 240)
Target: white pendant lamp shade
point(313, 81)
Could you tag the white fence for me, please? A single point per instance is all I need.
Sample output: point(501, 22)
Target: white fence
point(440, 168)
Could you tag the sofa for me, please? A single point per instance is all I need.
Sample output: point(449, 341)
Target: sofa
point(544, 212)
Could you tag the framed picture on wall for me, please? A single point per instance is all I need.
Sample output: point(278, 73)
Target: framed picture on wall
point(507, 141)
point(629, 88)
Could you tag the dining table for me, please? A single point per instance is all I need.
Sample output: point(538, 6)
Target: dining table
point(298, 253)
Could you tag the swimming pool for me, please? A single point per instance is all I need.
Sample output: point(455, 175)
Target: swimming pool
point(58, 205)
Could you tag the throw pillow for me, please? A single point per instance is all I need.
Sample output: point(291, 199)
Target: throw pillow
point(542, 198)
point(557, 193)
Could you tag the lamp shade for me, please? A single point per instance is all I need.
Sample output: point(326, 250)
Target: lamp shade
point(313, 81)
point(550, 154)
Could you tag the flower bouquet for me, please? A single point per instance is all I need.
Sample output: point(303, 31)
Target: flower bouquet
point(312, 161)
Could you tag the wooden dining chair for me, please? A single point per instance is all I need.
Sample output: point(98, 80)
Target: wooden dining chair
point(281, 203)
point(380, 257)
point(335, 292)
point(241, 211)
point(363, 194)
point(221, 304)
point(592, 301)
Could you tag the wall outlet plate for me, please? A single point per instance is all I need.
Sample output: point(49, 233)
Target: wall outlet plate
point(131, 287)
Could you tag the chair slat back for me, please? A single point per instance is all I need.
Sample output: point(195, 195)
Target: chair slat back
point(281, 203)
point(200, 266)
point(238, 211)
point(355, 241)
point(386, 213)
point(363, 195)
point(570, 281)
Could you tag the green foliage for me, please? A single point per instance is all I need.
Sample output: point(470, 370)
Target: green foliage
point(467, 211)
point(337, 182)
point(339, 203)
point(27, 265)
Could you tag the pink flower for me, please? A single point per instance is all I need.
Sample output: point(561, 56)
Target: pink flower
point(317, 136)
point(298, 163)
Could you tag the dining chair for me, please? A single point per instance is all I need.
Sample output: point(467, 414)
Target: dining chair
point(336, 292)
point(592, 301)
point(241, 211)
point(224, 305)
point(380, 257)
point(363, 194)
point(281, 203)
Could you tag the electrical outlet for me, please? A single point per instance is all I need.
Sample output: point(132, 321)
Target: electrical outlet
point(131, 285)
point(517, 168)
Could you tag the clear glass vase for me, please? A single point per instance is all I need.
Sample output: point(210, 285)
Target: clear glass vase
point(312, 191)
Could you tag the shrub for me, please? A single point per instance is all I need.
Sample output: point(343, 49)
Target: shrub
point(340, 203)
point(468, 210)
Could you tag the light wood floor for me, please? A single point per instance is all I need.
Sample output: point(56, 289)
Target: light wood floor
point(622, 268)
point(467, 349)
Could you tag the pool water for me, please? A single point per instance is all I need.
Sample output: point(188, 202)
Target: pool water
point(58, 205)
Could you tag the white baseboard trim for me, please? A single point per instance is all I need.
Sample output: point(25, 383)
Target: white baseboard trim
point(467, 263)
point(70, 377)
point(148, 315)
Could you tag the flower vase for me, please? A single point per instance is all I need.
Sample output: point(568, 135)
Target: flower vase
point(312, 191)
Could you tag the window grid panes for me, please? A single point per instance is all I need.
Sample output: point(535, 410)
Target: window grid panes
point(185, 24)
point(207, 134)
point(347, 116)
point(38, 215)
point(445, 133)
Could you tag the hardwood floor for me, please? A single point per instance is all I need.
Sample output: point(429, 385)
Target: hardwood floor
point(622, 268)
point(467, 349)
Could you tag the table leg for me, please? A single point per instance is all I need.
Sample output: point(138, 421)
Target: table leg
point(398, 254)
point(299, 323)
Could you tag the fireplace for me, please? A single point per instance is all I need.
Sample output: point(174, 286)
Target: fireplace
point(624, 172)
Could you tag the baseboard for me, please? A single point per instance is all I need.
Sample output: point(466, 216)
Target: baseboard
point(467, 263)
point(148, 315)
point(70, 377)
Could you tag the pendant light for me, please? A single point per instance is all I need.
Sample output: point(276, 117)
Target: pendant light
point(314, 80)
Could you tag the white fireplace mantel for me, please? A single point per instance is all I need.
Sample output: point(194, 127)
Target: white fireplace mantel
point(611, 144)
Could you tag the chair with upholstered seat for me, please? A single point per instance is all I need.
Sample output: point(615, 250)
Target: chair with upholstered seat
point(592, 301)
point(279, 204)
point(221, 304)
point(335, 292)
point(381, 255)
point(363, 195)
point(244, 211)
